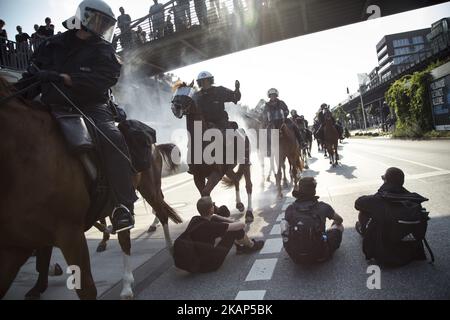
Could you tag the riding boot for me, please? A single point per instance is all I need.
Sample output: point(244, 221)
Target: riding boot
point(118, 169)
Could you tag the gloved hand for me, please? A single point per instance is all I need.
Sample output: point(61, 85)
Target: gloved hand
point(237, 85)
point(49, 76)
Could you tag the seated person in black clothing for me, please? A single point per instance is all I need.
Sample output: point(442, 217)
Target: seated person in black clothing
point(209, 228)
point(305, 237)
point(369, 206)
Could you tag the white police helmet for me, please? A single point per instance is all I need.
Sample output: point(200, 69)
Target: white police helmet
point(203, 76)
point(273, 91)
point(96, 16)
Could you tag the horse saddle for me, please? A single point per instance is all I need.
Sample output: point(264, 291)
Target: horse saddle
point(82, 141)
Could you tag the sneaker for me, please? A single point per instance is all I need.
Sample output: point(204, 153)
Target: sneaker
point(257, 245)
point(122, 220)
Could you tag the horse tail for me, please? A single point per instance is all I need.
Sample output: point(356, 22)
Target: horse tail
point(166, 151)
point(229, 183)
point(170, 212)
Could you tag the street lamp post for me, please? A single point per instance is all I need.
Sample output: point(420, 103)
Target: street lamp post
point(362, 106)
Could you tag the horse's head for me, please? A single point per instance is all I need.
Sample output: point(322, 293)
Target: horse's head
point(182, 102)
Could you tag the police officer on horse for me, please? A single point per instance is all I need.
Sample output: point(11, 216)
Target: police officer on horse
point(82, 63)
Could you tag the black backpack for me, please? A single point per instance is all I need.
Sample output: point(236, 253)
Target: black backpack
point(306, 240)
point(140, 138)
point(185, 251)
point(396, 236)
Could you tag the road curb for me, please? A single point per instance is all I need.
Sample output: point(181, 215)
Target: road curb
point(144, 275)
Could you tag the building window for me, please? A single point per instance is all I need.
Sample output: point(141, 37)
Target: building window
point(400, 43)
point(401, 51)
point(418, 39)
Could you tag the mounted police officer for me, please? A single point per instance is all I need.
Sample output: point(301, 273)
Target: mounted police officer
point(275, 110)
point(211, 101)
point(82, 63)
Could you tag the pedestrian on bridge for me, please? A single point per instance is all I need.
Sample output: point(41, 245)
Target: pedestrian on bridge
point(157, 19)
point(124, 24)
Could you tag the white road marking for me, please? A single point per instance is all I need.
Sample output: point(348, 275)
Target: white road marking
point(251, 295)
point(280, 217)
point(276, 230)
point(285, 206)
point(262, 269)
point(272, 246)
point(406, 160)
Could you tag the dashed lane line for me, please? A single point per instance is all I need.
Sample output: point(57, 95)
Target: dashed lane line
point(272, 246)
point(276, 230)
point(251, 295)
point(262, 269)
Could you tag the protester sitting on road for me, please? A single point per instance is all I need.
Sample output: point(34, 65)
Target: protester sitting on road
point(369, 206)
point(206, 229)
point(393, 222)
point(305, 237)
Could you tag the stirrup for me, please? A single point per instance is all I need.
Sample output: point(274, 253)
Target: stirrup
point(131, 226)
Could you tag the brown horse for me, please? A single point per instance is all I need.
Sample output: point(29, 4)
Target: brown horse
point(331, 137)
point(290, 150)
point(45, 196)
point(207, 176)
point(153, 196)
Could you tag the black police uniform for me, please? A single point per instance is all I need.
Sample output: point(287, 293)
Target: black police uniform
point(94, 69)
point(275, 113)
point(212, 104)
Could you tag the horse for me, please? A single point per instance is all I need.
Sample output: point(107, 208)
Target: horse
point(153, 196)
point(45, 196)
point(288, 149)
point(207, 176)
point(331, 137)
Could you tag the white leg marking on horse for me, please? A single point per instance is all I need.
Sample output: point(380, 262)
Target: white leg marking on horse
point(156, 221)
point(238, 196)
point(127, 280)
point(250, 205)
point(169, 243)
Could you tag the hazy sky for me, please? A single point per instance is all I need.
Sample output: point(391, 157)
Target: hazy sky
point(307, 70)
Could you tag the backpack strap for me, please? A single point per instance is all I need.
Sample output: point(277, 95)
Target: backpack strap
point(429, 250)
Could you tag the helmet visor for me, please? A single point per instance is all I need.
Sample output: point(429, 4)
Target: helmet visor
point(185, 91)
point(99, 24)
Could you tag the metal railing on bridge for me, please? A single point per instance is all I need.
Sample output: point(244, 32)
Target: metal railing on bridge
point(179, 16)
point(15, 55)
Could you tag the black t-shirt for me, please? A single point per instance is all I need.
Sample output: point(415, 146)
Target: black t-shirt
point(22, 37)
point(46, 31)
point(207, 231)
point(320, 208)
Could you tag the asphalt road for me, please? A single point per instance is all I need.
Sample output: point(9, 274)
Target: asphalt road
point(270, 274)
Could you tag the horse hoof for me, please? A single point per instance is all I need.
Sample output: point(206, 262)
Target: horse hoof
point(268, 180)
point(306, 167)
point(240, 206)
point(101, 247)
point(249, 218)
point(151, 229)
point(127, 296)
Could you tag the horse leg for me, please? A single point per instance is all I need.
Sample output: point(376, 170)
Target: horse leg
point(200, 183)
point(278, 182)
point(285, 180)
point(75, 250)
point(249, 188)
point(234, 178)
point(155, 222)
point(43, 257)
point(11, 260)
point(127, 279)
point(102, 228)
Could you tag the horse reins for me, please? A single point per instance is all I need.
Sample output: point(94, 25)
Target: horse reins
point(3, 100)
